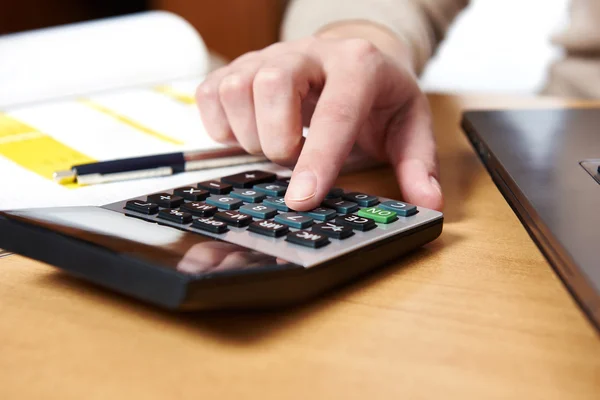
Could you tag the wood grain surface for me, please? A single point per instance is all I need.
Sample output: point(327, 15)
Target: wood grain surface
point(478, 314)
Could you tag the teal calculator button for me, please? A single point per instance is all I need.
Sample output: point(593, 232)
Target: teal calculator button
point(341, 206)
point(294, 220)
point(224, 202)
point(248, 195)
point(365, 200)
point(259, 211)
point(321, 214)
point(276, 202)
point(402, 209)
point(271, 189)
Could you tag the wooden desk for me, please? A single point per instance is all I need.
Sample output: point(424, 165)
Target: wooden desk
point(477, 314)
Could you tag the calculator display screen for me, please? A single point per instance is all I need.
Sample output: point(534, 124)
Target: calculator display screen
point(187, 252)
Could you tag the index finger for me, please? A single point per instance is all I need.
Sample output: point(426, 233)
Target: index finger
point(341, 112)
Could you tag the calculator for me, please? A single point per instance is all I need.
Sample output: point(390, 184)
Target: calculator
point(224, 243)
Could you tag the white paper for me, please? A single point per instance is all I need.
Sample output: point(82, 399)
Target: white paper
point(19, 189)
point(102, 137)
point(75, 59)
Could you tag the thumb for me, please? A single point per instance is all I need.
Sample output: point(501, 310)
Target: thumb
point(411, 150)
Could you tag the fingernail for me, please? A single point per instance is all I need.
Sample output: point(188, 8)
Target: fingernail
point(435, 184)
point(303, 186)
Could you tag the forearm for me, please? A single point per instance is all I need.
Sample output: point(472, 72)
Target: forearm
point(419, 25)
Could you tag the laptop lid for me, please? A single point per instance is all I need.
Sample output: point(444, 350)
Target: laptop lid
point(545, 163)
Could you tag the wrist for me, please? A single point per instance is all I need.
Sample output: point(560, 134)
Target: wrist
point(388, 42)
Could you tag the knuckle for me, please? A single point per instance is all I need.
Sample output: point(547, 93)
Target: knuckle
point(270, 78)
point(206, 92)
point(231, 85)
point(361, 49)
point(339, 112)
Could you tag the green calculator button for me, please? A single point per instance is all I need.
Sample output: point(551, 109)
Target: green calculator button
point(378, 215)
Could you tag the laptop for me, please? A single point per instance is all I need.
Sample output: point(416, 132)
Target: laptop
point(546, 163)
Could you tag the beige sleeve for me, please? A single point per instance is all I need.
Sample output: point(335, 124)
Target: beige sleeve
point(421, 23)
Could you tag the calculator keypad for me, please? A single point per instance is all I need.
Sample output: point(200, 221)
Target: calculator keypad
point(341, 206)
point(364, 200)
point(378, 215)
point(294, 220)
point(268, 228)
point(191, 193)
point(308, 239)
point(248, 179)
point(333, 230)
point(165, 200)
point(210, 225)
point(234, 218)
point(282, 181)
point(215, 187)
point(141, 206)
point(399, 207)
point(277, 203)
point(271, 189)
point(321, 214)
point(356, 222)
point(248, 195)
point(199, 209)
point(249, 209)
point(259, 211)
point(225, 202)
point(335, 193)
point(177, 216)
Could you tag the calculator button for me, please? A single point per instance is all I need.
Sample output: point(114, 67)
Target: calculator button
point(294, 220)
point(276, 202)
point(356, 222)
point(209, 224)
point(307, 238)
point(271, 189)
point(248, 195)
point(234, 218)
point(402, 209)
point(225, 202)
point(191, 193)
point(199, 209)
point(141, 206)
point(258, 211)
point(365, 200)
point(215, 187)
point(268, 228)
point(333, 230)
point(177, 216)
point(165, 200)
point(341, 206)
point(283, 181)
point(248, 179)
point(321, 214)
point(378, 215)
point(335, 193)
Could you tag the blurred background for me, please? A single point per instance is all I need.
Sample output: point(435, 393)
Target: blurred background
point(229, 27)
point(495, 46)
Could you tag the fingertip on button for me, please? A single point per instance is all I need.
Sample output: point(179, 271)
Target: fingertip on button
point(303, 188)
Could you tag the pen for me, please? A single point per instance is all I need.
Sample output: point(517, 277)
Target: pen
point(154, 166)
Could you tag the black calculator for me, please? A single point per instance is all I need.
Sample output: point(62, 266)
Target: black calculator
point(225, 243)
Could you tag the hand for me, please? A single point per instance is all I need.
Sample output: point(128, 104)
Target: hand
point(352, 93)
